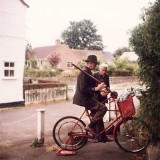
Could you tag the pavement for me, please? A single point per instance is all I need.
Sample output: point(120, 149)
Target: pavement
point(94, 151)
point(18, 130)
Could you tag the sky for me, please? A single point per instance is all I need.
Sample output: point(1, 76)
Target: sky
point(114, 19)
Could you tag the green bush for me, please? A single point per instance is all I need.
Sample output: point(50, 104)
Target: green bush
point(69, 73)
point(39, 73)
point(145, 40)
point(122, 67)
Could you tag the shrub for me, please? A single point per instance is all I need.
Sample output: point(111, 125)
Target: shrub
point(69, 73)
point(39, 73)
point(122, 67)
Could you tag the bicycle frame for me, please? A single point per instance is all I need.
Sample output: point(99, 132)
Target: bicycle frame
point(114, 123)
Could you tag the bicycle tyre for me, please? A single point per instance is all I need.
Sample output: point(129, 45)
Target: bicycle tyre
point(62, 133)
point(132, 135)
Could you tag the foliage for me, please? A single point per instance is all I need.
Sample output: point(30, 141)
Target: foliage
point(69, 73)
point(38, 73)
point(33, 63)
point(118, 67)
point(120, 51)
point(28, 52)
point(54, 60)
point(145, 40)
point(122, 67)
point(82, 35)
point(37, 143)
point(120, 63)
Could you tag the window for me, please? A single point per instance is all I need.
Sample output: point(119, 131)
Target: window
point(69, 64)
point(9, 69)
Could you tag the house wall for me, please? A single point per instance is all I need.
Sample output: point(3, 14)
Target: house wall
point(67, 55)
point(12, 48)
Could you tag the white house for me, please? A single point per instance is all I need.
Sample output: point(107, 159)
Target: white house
point(131, 56)
point(12, 50)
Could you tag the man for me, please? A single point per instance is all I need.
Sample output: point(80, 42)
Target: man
point(102, 76)
point(84, 95)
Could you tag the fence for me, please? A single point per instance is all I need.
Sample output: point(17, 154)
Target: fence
point(44, 93)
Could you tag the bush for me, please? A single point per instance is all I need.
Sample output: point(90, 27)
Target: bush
point(69, 73)
point(39, 73)
point(122, 67)
point(145, 40)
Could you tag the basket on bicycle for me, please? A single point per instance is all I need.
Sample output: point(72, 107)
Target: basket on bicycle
point(127, 107)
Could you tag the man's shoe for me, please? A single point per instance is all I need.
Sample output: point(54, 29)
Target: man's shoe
point(110, 131)
point(91, 130)
point(104, 139)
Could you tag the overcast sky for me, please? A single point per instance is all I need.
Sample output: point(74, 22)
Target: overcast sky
point(47, 19)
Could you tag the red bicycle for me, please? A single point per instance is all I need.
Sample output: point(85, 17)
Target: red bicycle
point(130, 133)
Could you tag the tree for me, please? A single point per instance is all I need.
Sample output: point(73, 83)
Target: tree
point(28, 52)
point(145, 40)
point(120, 51)
point(54, 60)
point(82, 35)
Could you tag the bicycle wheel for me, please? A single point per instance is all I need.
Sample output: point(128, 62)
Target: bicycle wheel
point(63, 133)
point(132, 135)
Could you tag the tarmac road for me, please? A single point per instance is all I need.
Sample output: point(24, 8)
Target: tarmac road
point(93, 151)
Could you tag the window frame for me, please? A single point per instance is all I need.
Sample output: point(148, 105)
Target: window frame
point(69, 64)
point(9, 69)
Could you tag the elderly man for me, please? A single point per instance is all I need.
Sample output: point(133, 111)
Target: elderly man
point(102, 76)
point(84, 95)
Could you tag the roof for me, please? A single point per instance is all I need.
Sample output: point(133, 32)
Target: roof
point(42, 52)
point(45, 51)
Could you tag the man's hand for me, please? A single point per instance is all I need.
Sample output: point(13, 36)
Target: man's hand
point(104, 92)
point(100, 87)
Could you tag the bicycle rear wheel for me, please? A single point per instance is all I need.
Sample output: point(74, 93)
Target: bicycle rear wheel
point(63, 133)
point(132, 135)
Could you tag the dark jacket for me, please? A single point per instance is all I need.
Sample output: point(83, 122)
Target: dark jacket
point(104, 79)
point(84, 95)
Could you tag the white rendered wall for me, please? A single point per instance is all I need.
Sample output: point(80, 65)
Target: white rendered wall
point(12, 48)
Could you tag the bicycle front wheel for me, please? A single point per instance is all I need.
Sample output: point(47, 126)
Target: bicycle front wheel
point(67, 133)
point(132, 135)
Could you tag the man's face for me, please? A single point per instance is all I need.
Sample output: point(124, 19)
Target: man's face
point(102, 70)
point(92, 65)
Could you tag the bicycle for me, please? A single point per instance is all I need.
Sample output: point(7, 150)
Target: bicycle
point(130, 133)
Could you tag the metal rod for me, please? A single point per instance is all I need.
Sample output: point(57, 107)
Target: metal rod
point(87, 73)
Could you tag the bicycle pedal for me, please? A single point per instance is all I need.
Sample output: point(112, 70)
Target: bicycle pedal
point(95, 140)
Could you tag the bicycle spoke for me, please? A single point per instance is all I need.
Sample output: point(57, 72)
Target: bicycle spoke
point(68, 133)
